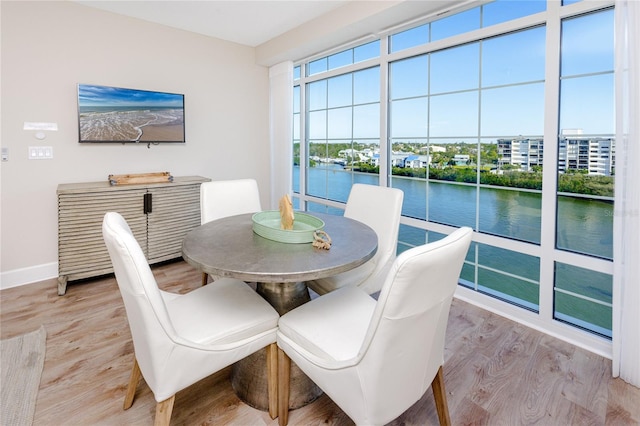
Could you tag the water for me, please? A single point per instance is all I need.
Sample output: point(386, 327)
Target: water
point(583, 225)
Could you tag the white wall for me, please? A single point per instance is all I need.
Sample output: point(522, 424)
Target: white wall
point(48, 48)
point(360, 20)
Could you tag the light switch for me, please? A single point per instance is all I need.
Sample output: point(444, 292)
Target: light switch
point(40, 152)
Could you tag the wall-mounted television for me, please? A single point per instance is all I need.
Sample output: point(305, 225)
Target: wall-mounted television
point(114, 114)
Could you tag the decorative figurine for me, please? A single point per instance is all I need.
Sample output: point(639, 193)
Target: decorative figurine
point(286, 212)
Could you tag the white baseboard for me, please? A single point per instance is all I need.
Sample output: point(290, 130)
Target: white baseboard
point(32, 274)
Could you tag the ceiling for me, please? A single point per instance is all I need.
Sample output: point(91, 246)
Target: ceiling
point(247, 22)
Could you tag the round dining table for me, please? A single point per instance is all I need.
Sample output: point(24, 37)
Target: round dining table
point(228, 247)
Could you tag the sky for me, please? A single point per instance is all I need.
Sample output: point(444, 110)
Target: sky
point(91, 95)
point(488, 89)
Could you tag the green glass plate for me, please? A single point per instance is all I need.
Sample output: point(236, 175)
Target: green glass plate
point(267, 225)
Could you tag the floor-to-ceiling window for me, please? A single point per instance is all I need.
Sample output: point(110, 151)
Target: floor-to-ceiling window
point(498, 117)
point(586, 169)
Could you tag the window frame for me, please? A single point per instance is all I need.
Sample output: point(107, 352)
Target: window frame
point(546, 250)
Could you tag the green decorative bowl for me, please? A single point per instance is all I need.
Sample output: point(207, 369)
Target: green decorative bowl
point(267, 225)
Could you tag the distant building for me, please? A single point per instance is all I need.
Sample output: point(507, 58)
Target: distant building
point(575, 152)
point(593, 155)
point(368, 152)
point(349, 153)
point(416, 161)
point(398, 158)
point(523, 153)
point(461, 159)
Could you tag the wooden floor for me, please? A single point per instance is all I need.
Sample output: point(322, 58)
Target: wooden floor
point(496, 371)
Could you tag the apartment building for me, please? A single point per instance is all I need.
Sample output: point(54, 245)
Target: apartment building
point(593, 155)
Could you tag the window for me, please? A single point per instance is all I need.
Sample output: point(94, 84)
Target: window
point(296, 136)
point(463, 109)
point(583, 298)
point(484, 16)
point(344, 58)
point(463, 130)
point(586, 148)
point(586, 169)
point(343, 116)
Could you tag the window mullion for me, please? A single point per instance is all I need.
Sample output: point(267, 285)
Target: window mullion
point(303, 136)
point(550, 160)
point(384, 143)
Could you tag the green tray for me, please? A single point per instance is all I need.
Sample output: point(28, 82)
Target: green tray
point(267, 225)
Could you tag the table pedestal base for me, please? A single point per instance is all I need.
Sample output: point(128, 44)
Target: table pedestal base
point(249, 381)
point(249, 375)
point(284, 296)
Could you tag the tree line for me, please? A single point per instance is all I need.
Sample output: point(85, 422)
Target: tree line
point(575, 183)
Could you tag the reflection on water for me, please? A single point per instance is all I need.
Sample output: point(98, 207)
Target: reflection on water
point(515, 214)
point(584, 225)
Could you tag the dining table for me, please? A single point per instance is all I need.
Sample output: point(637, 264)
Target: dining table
point(229, 247)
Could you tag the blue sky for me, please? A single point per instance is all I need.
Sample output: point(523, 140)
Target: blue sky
point(91, 95)
point(489, 89)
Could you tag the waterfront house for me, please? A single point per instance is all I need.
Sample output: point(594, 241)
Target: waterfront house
point(416, 161)
point(461, 159)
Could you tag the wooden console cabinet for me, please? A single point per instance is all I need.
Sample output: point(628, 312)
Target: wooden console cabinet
point(159, 214)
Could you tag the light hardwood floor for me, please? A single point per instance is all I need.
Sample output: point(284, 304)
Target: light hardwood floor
point(496, 371)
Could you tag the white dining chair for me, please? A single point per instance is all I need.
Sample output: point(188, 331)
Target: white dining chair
point(380, 208)
point(179, 339)
point(375, 359)
point(225, 198)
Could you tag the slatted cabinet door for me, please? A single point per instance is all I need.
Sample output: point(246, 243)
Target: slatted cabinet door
point(172, 210)
point(81, 249)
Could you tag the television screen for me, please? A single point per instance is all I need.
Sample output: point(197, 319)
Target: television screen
point(113, 114)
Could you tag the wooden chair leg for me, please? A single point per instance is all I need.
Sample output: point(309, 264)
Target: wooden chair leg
point(163, 411)
point(205, 278)
point(284, 373)
point(441, 398)
point(134, 379)
point(272, 379)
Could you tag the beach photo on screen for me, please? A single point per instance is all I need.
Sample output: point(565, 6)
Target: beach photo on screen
point(113, 114)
